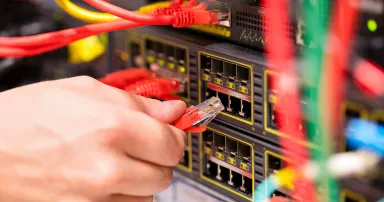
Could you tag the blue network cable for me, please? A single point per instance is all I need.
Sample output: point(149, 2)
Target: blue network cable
point(364, 134)
point(266, 188)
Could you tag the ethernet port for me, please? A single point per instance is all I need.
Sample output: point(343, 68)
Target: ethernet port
point(243, 75)
point(271, 116)
point(234, 105)
point(181, 56)
point(219, 141)
point(274, 164)
point(159, 49)
point(170, 53)
point(208, 138)
point(224, 99)
point(135, 55)
point(150, 46)
point(217, 67)
point(230, 71)
point(210, 93)
point(222, 173)
point(234, 179)
point(351, 114)
point(211, 169)
point(246, 186)
point(206, 64)
point(245, 110)
point(231, 146)
point(244, 152)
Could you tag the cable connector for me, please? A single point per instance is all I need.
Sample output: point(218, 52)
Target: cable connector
point(126, 77)
point(187, 16)
point(196, 118)
point(157, 87)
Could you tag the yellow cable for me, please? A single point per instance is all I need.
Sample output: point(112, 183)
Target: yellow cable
point(287, 177)
point(98, 17)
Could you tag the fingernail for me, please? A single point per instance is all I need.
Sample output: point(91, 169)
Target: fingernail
point(172, 103)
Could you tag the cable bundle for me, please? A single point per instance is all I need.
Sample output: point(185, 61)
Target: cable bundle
point(117, 19)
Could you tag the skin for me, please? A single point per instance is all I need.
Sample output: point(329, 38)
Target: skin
point(78, 140)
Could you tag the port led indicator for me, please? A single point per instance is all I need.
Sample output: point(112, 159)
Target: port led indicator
point(372, 25)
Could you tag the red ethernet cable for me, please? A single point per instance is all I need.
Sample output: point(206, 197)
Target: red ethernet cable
point(280, 55)
point(156, 87)
point(123, 78)
point(336, 60)
point(182, 15)
point(130, 15)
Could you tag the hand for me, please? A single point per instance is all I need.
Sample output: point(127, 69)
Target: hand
point(78, 140)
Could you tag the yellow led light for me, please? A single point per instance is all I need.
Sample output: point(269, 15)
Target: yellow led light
point(372, 25)
point(182, 69)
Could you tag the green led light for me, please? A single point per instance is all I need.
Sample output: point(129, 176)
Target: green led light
point(372, 25)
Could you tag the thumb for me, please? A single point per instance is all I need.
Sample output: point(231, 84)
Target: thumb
point(166, 112)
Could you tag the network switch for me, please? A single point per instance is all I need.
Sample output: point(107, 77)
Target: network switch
point(239, 77)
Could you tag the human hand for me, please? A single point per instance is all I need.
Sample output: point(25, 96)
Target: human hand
point(78, 140)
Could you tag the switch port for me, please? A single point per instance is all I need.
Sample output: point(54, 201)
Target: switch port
point(234, 179)
point(234, 105)
point(243, 75)
point(211, 169)
point(246, 186)
point(274, 164)
point(206, 64)
point(230, 71)
point(222, 173)
point(245, 110)
point(219, 141)
point(210, 93)
point(224, 99)
point(181, 56)
point(208, 138)
point(217, 67)
point(231, 146)
point(244, 152)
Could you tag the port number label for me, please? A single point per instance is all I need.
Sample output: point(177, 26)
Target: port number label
point(206, 77)
point(207, 150)
point(243, 89)
point(244, 166)
point(220, 156)
point(218, 81)
point(231, 85)
point(231, 161)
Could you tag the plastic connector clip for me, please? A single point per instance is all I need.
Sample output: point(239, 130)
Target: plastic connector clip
point(196, 118)
point(188, 15)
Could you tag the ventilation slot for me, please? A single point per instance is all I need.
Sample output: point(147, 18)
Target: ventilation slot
point(258, 23)
point(193, 78)
point(258, 100)
point(259, 168)
point(195, 153)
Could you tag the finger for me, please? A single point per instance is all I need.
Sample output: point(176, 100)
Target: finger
point(143, 137)
point(166, 112)
point(139, 178)
point(124, 198)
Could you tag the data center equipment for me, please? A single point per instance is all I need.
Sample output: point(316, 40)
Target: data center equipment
point(241, 147)
point(325, 144)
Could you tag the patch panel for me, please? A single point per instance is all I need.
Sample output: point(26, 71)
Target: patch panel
point(168, 60)
point(186, 161)
point(229, 80)
point(227, 162)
